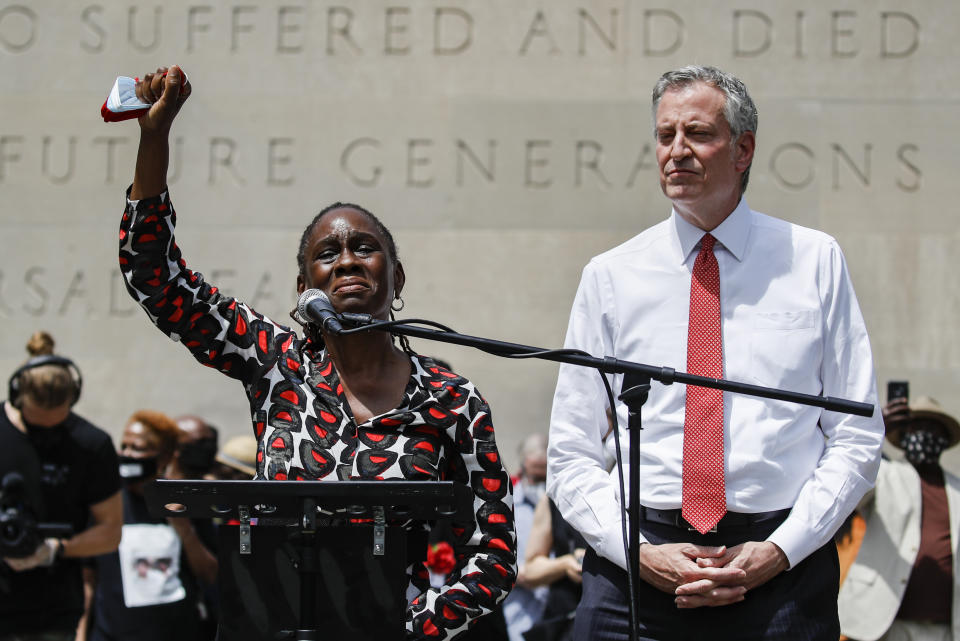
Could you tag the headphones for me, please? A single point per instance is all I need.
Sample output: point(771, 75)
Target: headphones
point(13, 387)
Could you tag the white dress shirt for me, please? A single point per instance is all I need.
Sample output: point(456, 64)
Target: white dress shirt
point(790, 320)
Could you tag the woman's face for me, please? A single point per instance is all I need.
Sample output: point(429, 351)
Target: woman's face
point(347, 258)
point(138, 441)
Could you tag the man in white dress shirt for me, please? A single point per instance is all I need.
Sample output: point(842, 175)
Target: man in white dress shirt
point(764, 484)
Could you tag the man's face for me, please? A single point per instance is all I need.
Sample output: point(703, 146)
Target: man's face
point(535, 468)
point(700, 165)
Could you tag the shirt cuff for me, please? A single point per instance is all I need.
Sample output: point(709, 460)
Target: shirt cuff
point(795, 539)
point(158, 198)
point(611, 546)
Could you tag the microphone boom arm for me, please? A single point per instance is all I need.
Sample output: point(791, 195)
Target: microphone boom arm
point(610, 365)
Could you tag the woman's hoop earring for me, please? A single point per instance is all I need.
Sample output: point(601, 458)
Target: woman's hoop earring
point(392, 305)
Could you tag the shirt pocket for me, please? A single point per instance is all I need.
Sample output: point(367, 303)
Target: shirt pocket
point(785, 349)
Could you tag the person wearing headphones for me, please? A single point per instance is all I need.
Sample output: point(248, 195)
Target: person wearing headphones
point(55, 468)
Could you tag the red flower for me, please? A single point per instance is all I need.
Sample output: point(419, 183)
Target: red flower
point(440, 558)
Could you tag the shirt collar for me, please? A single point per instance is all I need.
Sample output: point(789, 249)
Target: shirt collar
point(732, 233)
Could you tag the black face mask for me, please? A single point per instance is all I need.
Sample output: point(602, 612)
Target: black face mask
point(45, 438)
point(198, 456)
point(134, 470)
point(922, 447)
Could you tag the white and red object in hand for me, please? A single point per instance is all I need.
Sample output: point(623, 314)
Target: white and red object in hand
point(122, 103)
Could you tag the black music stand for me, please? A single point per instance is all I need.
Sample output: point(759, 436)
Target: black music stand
point(293, 568)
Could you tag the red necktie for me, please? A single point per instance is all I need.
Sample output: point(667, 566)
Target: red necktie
point(704, 497)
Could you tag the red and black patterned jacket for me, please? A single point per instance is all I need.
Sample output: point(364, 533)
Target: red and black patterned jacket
point(441, 431)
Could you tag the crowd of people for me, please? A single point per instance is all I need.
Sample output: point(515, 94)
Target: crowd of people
point(741, 498)
point(110, 570)
point(153, 578)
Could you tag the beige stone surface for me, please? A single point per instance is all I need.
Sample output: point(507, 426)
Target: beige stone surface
point(505, 142)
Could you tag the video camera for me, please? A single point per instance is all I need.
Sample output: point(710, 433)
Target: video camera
point(20, 533)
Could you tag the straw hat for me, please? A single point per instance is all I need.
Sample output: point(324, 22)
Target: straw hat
point(927, 408)
point(240, 453)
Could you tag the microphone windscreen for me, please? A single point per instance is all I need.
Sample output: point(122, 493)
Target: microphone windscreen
point(308, 297)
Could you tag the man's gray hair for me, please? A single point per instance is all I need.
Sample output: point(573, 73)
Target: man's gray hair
point(738, 108)
point(533, 445)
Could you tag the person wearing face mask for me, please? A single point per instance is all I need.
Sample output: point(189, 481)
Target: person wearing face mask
point(149, 589)
point(197, 443)
point(58, 468)
point(903, 583)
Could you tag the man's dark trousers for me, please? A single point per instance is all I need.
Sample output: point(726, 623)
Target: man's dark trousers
point(797, 605)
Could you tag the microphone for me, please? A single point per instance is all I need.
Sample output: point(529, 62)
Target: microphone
point(315, 306)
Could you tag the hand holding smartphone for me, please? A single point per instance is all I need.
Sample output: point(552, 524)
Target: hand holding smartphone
point(898, 390)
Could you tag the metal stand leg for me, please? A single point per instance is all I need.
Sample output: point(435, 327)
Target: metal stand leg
point(636, 389)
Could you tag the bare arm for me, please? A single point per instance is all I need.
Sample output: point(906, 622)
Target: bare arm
point(539, 568)
point(101, 537)
point(89, 586)
point(203, 563)
point(153, 155)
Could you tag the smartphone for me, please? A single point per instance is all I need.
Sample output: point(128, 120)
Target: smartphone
point(898, 389)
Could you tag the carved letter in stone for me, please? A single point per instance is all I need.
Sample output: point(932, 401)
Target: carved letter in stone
point(286, 27)
point(488, 171)
point(336, 27)
point(589, 156)
point(792, 165)
point(46, 163)
point(539, 29)
point(96, 29)
point(798, 34)
point(445, 45)
point(751, 33)
point(18, 28)
point(346, 163)
point(662, 22)
point(132, 30)
point(839, 153)
point(899, 34)
point(836, 33)
point(415, 160)
point(237, 26)
point(532, 162)
point(275, 159)
point(610, 40)
point(221, 153)
point(194, 26)
point(75, 289)
point(7, 154)
point(910, 167)
point(396, 28)
point(41, 296)
point(641, 164)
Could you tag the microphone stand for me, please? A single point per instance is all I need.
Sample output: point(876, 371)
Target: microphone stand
point(635, 390)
